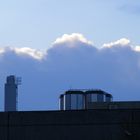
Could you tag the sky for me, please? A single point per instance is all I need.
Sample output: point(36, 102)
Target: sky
point(37, 23)
point(55, 45)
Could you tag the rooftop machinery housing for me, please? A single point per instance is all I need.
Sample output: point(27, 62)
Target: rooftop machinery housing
point(93, 99)
point(80, 99)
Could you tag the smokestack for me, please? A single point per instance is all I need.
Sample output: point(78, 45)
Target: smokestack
point(11, 93)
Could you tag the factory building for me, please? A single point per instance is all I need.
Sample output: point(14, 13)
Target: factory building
point(83, 115)
point(91, 124)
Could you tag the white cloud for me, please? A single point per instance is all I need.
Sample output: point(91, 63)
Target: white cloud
point(2, 50)
point(72, 39)
point(24, 51)
point(137, 48)
point(31, 52)
point(120, 43)
point(123, 42)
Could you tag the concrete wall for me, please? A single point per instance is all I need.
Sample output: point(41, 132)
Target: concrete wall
point(71, 125)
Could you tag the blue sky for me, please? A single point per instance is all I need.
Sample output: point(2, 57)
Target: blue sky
point(55, 45)
point(37, 23)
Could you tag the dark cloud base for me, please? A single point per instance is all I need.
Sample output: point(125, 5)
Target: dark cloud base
point(72, 62)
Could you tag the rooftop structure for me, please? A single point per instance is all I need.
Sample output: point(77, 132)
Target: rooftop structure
point(79, 99)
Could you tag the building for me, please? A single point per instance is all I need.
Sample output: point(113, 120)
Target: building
point(114, 105)
point(80, 99)
point(11, 93)
point(91, 124)
point(84, 115)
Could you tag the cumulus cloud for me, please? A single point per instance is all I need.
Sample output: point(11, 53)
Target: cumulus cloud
point(31, 52)
point(24, 52)
point(2, 50)
point(70, 40)
point(120, 43)
point(137, 48)
point(72, 62)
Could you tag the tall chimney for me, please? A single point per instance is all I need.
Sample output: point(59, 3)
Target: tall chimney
point(11, 93)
